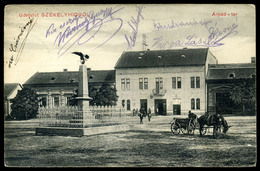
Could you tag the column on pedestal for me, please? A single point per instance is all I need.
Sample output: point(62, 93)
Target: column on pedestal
point(83, 98)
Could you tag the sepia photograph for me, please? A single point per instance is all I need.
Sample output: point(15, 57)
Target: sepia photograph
point(130, 85)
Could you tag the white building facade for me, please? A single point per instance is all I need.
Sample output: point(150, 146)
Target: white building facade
point(168, 82)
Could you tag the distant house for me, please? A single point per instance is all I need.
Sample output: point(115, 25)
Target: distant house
point(57, 88)
point(10, 91)
point(220, 78)
point(166, 81)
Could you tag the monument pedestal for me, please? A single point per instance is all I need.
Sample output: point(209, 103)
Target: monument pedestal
point(83, 120)
point(83, 98)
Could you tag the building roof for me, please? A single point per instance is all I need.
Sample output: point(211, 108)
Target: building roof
point(9, 88)
point(162, 58)
point(67, 77)
point(231, 71)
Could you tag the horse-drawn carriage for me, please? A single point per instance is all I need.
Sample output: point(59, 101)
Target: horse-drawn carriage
point(184, 125)
point(188, 125)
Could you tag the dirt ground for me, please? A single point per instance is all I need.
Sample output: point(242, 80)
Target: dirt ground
point(153, 145)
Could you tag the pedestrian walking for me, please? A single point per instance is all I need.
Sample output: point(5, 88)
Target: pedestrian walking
point(149, 114)
point(141, 115)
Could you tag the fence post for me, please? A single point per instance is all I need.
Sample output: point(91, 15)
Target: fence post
point(95, 111)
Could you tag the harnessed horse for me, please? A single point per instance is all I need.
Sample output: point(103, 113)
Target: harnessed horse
point(213, 120)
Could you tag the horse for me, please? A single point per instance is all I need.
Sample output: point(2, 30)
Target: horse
point(213, 120)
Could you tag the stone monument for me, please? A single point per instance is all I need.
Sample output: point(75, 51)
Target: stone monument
point(83, 120)
point(83, 98)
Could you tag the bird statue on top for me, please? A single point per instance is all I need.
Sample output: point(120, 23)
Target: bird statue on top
point(83, 57)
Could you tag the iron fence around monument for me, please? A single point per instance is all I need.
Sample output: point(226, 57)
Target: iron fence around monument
point(72, 116)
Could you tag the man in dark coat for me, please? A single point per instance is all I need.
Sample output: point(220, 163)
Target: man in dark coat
point(192, 116)
point(141, 115)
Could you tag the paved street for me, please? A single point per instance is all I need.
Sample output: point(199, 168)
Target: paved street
point(150, 144)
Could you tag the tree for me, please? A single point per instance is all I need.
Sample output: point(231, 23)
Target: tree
point(25, 104)
point(92, 93)
point(106, 96)
point(244, 93)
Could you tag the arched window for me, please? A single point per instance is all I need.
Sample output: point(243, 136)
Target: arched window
point(123, 103)
point(197, 103)
point(128, 105)
point(192, 104)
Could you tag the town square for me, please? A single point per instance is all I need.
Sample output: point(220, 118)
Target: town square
point(125, 86)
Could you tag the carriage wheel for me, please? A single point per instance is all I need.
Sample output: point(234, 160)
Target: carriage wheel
point(175, 128)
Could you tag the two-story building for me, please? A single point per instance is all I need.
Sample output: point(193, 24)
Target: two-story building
point(166, 81)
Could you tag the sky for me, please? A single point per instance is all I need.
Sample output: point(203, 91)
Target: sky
point(45, 41)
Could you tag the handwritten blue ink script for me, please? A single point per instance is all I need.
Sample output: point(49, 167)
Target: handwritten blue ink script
point(170, 26)
point(214, 39)
point(134, 24)
point(80, 30)
point(15, 48)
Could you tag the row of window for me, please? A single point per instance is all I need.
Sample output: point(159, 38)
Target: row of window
point(193, 104)
point(125, 84)
point(176, 83)
point(193, 80)
point(127, 104)
point(55, 101)
point(143, 83)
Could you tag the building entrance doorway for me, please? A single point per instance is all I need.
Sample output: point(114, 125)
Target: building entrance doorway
point(160, 106)
point(177, 109)
point(143, 104)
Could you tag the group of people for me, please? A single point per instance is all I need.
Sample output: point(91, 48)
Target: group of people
point(142, 113)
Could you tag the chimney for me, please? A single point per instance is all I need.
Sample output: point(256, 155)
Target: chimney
point(253, 60)
point(65, 70)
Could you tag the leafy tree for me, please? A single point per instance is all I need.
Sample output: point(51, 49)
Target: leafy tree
point(244, 93)
point(25, 104)
point(105, 96)
point(92, 91)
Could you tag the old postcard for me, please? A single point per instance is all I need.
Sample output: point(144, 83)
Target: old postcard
point(136, 85)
